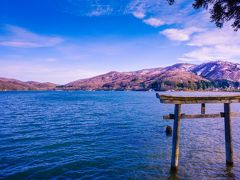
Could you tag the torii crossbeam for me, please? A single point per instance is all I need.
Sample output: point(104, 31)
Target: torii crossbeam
point(177, 116)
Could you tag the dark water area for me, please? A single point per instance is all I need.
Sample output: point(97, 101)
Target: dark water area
point(108, 135)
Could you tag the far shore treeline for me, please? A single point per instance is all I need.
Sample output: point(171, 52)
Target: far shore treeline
point(217, 85)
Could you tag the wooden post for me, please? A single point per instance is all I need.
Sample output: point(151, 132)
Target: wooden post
point(176, 137)
point(227, 114)
point(203, 108)
point(228, 134)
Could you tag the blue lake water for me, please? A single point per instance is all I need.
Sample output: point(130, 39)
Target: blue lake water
point(107, 135)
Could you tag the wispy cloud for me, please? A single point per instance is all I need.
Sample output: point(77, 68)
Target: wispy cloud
point(220, 52)
point(100, 10)
point(181, 34)
point(23, 38)
point(81, 59)
point(213, 37)
point(44, 73)
point(179, 13)
point(223, 44)
point(153, 22)
point(95, 7)
point(139, 14)
point(205, 41)
point(151, 12)
point(148, 6)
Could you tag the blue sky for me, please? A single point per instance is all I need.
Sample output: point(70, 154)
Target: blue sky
point(65, 40)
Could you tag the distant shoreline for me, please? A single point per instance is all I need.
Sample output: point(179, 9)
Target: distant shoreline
point(117, 91)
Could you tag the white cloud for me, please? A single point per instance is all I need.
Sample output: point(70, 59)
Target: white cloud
point(212, 53)
point(20, 37)
point(205, 42)
point(139, 15)
point(181, 12)
point(213, 37)
point(223, 44)
point(180, 34)
point(153, 22)
point(149, 6)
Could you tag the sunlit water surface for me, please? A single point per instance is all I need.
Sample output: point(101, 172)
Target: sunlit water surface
point(108, 135)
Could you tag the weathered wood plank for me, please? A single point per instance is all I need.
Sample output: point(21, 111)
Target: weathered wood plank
point(176, 137)
point(228, 134)
point(200, 116)
point(197, 99)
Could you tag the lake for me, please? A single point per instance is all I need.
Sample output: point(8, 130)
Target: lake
point(108, 135)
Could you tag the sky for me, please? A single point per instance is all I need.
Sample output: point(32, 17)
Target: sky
point(64, 40)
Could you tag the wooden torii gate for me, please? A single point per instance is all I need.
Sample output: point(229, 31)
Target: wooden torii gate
point(227, 114)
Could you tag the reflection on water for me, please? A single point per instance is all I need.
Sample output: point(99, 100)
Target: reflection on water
point(108, 135)
point(229, 172)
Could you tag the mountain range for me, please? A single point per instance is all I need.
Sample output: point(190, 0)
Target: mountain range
point(13, 84)
point(182, 76)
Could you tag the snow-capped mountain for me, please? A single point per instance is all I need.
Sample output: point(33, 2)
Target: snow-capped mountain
point(218, 70)
point(216, 74)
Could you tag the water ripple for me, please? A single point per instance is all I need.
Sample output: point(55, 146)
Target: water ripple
point(107, 135)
